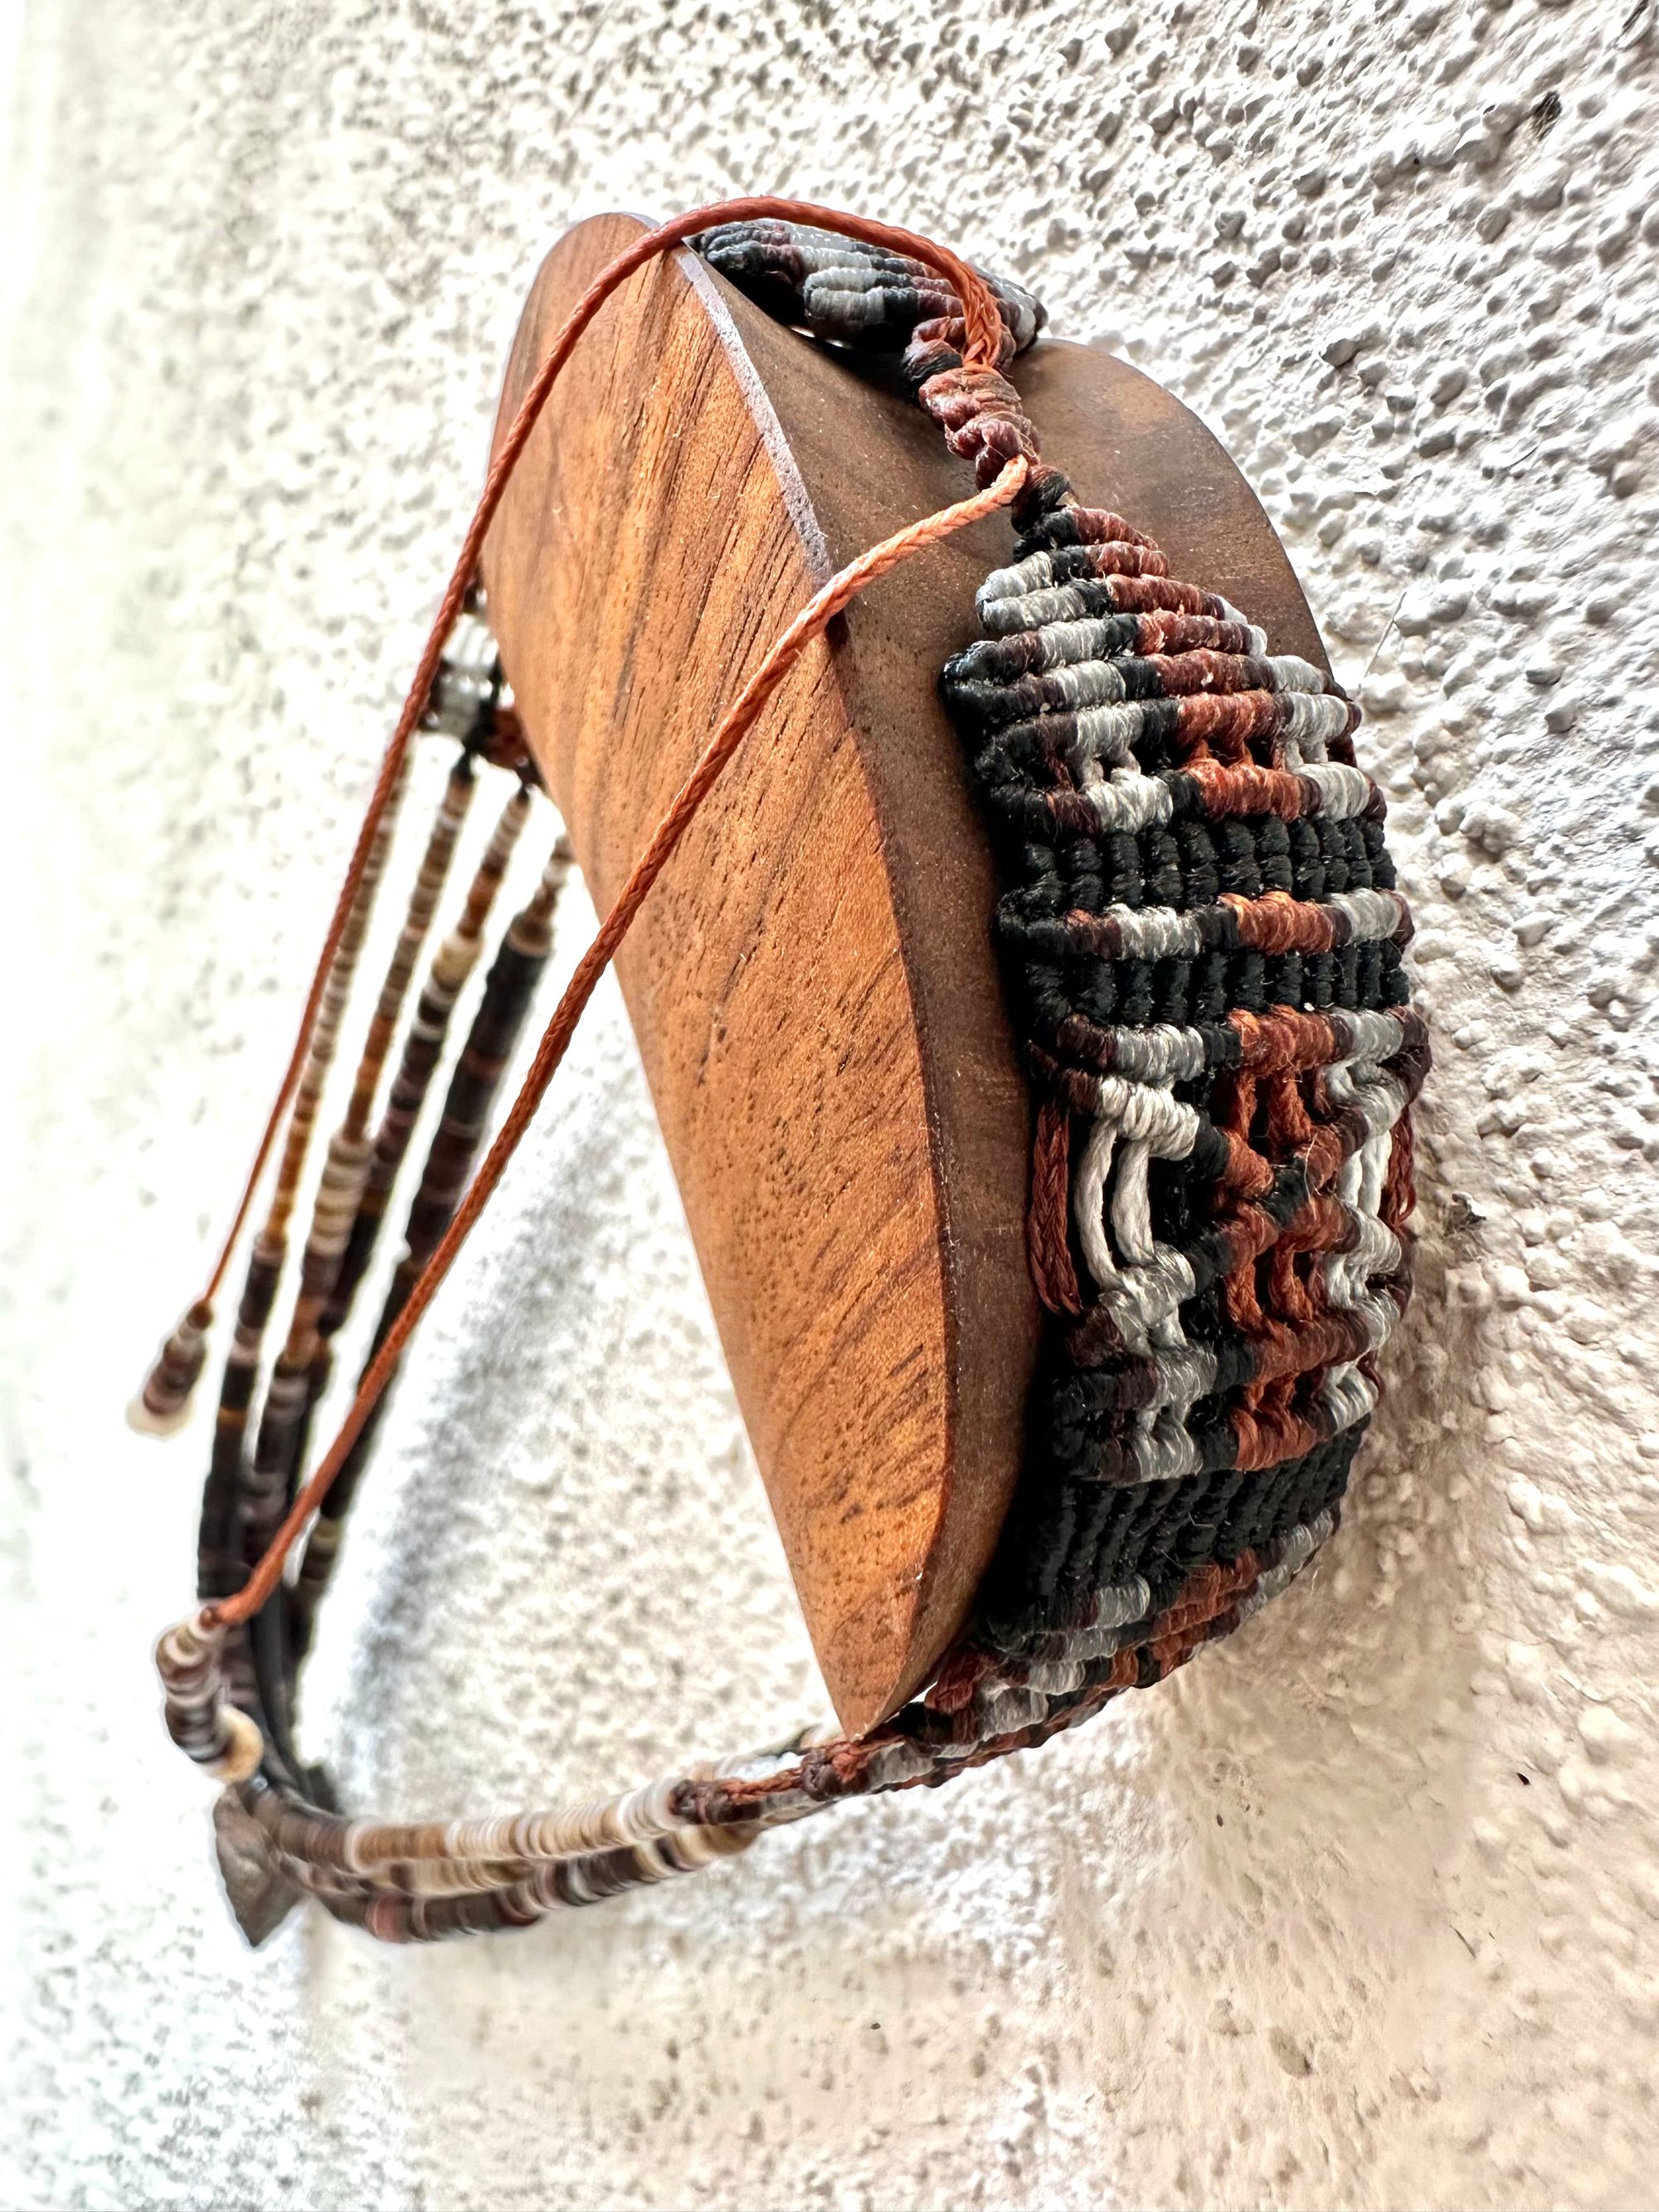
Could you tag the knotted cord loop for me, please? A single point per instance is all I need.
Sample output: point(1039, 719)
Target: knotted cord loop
point(163, 1401)
point(812, 619)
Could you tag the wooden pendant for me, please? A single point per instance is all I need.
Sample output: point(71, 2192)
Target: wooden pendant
point(812, 983)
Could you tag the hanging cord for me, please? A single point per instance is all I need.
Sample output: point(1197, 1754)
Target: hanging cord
point(165, 1397)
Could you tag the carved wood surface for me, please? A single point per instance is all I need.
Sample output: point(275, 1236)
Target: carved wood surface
point(812, 983)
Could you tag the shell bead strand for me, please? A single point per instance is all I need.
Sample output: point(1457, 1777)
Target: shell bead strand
point(451, 967)
point(289, 1396)
point(509, 990)
point(1203, 940)
point(225, 1505)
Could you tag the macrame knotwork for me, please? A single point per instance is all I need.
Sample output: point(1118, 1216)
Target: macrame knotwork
point(1202, 942)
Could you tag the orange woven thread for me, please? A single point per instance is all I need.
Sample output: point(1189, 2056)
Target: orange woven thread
point(983, 330)
point(1048, 1214)
point(813, 618)
point(1399, 1185)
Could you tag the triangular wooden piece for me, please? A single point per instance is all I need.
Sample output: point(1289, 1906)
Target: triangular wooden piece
point(812, 983)
point(259, 1893)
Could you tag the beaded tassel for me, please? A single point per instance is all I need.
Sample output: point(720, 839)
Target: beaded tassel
point(243, 1501)
point(451, 968)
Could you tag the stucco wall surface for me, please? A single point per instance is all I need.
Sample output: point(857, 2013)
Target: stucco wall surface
point(1362, 1909)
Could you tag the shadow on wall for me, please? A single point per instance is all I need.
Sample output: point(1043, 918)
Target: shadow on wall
point(1325, 1762)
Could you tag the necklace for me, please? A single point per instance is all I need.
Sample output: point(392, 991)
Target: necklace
point(1200, 941)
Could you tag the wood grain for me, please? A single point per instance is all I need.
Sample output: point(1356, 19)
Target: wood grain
point(811, 983)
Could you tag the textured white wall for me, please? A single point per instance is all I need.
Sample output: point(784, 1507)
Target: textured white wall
point(1361, 1911)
